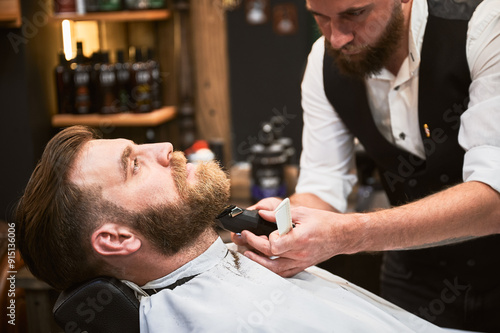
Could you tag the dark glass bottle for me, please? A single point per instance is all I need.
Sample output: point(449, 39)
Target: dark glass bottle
point(95, 65)
point(109, 5)
point(122, 69)
point(106, 87)
point(141, 89)
point(136, 4)
point(155, 81)
point(155, 4)
point(92, 5)
point(64, 6)
point(81, 76)
point(64, 86)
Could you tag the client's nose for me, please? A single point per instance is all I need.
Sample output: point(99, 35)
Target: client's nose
point(164, 152)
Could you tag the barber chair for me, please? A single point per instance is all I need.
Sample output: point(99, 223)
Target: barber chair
point(103, 304)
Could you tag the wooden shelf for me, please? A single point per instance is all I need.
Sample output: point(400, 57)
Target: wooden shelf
point(10, 14)
point(153, 118)
point(118, 16)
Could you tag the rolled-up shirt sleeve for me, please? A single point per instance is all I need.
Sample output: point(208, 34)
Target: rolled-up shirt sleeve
point(480, 125)
point(327, 158)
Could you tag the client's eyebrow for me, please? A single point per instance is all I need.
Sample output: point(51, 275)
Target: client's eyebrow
point(124, 161)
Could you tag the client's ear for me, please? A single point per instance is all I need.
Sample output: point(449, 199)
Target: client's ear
point(113, 239)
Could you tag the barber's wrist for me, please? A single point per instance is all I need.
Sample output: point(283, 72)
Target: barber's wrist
point(355, 233)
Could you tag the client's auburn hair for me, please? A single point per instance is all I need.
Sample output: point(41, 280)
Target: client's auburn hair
point(54, 218)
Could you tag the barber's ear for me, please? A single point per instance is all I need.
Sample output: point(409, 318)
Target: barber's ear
point(113, 239)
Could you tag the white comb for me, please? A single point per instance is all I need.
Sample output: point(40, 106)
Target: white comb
point(284, 217)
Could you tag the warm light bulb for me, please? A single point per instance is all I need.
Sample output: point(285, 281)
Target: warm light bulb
point(67, 44)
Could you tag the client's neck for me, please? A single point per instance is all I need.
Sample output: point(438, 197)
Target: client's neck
point(157, 265)
point(190, 252)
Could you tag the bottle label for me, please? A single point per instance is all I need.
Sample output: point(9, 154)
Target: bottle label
point(107, 78)
point(142, 77)
point(82, 78)
point(123, 76)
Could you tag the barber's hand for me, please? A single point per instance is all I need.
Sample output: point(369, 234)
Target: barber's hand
point(265, 204)
point(315, 238)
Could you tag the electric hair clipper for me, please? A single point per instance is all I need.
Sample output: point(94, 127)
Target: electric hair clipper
point(237, 219)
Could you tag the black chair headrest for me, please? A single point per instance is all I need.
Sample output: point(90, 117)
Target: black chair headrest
point(103, 304)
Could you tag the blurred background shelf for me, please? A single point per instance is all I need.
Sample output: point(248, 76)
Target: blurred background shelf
point(153, 118)
point(10, 13)
point(119, 16)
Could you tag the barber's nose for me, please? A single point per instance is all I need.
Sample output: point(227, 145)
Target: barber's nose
point(339, 35)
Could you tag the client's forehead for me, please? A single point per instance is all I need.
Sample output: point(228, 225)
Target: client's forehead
point(99, 161)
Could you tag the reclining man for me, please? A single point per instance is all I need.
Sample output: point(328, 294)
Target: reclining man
point(140, 213)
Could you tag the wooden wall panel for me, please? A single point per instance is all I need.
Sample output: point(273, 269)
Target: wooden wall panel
point(210, 59)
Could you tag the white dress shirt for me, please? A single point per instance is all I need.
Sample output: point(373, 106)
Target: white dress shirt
point(232, 293)
point(327, 159)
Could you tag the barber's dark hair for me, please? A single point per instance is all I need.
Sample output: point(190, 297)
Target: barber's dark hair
point(55, 218)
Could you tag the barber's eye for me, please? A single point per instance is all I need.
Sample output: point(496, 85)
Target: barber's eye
point(136, 165)
point(357, 12)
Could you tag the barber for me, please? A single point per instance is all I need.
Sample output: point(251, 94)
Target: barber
point(418, 84)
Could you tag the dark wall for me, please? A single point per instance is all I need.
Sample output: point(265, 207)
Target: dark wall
point(266, 70)
point(26, 90)
point(16, 147)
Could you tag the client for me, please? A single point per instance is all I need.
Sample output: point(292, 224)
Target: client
point(140, 213)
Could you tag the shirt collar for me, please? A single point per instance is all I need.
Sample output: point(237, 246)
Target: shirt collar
point(418, 21)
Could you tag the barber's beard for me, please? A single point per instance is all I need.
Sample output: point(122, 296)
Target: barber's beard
point(372, 58)
point(173, 226)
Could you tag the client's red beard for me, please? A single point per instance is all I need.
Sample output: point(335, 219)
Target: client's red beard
point(173, 226)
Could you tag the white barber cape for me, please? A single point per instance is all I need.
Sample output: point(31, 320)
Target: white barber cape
point(231, 293)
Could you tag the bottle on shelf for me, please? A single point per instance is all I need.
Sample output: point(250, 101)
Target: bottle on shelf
point(141, 88)
point(92, 5)
point(156, 4)
point(122, 69)
point(136, 4)
point(109, 5)
point(64, 85)
point(155, 80)
point(95, 65)
point(64, 6)
point(81, 76)
point(107, 101)
point(144, 4)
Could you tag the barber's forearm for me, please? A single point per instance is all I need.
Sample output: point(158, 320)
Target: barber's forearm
point(464, 211)
point(310, 200)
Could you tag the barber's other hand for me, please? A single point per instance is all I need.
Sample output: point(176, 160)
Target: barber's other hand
point(317, 236)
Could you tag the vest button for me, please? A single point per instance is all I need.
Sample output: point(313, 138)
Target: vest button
point(471, 263)
point(412, 182)
point(444, 178)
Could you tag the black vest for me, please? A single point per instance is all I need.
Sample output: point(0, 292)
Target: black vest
point(444, 80)
point(443, 97)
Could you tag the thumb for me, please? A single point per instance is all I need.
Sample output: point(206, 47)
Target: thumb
point(268, 215)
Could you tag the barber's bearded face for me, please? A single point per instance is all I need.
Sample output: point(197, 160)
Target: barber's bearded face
point(372, 58)
point(172, 226)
